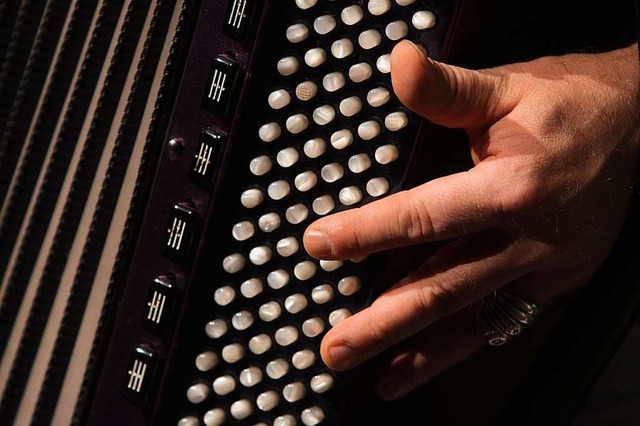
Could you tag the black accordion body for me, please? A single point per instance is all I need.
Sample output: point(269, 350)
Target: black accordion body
point(159, 163)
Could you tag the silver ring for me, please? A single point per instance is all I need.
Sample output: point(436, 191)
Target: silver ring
point(501, 316)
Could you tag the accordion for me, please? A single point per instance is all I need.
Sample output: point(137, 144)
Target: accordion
point(159, 162)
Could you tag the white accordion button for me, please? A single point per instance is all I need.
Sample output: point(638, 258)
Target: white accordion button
point(297, 213)
point(359, 163)
point(313, 327)
point(216, 328)
point(260, 255)
point(279, 189)
point(323, 205)
point(241, 409)
point(341, 139)
point(277, 368)
point(332, 172)
point(396, 121)
point(369, 130)
point(250, 376)
point(287, 246)
point(269, 311)
point(295, 303)
point(378, 97)
point(350, 195)
point(197, 393)
point(287, 157)
point(315, 57)
point(224, 295)
point(378, 7)
point(324, 115)
point(233, 353)
point(269, 132)
point(279, 99)
point(423, 20)
point(369, 39)
point(322, 294)
point(324, 24)
point(243, 230)
point(351, 15)
point(297, 123)
point(338, 315)
point(268, 400)
point(233, 263)
point(215, 417)
point(251, 288)
point(383, 63)
point(188, 421)
point(278, 279)
point(405, 2)
point(293, 392)
point(342, 48)
point(305, 181)
point(243, 320)
point(333, 81)
point(330, 265)
point(349, 285)
point(224, 385)
point(269, 222)
point(377, 187)
point(297, 32)
point(206, 361)
point(288, 65)
point(285, 420)
point(360, 72)
point(251, 198)
point(314, 148)
point(306, 90)
point(312, 416)
point(303, 359)
point(304, 270)
point(260, 165)
point(306, 4)
point(396, 30)
point(260, 344)
point(386, 154)
point(350, 106)
point(321, 383)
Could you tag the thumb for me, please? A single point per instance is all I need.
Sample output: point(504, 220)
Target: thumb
point(448, 95)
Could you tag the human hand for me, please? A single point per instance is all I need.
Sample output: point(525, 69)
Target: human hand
point(555, 146)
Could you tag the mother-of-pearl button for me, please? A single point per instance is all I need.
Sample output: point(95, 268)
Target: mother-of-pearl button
point(378, 7)
point(396, 30)
point(352, 14)
point(324, 114)
point(269, 311)
point(197, 393)
point(295, 303)
point(321, 383)
point(369, 130)
point(333, 81)
point(349, 285)
point(360, 72)
point(206, 361)
point(287, 157)
point(242, 320)
point(251, 287)
point(293, 392)
point(330, 265)
point(405, 2)
point(268, 400)
point(243, 230)
point(350, 106)
point(315, 57)
point(233, 353)
point(332, 172)
point(341, 139)
point(288, 65)
point(214, 417)
point(342, 48)
point(260, 165)
point(269, 132)
point(396, 121)
point(306, 90)
point(305, 181)
point(304, 270)
point(297, 213)
point(287, 246)
point(260, 343)
point(306, 4)
point(377, 187)
point(324, 24)
point(303, 359)
point(383, 63)
point(312, 416)
point(278, 189)
point(297, 32)
point(224, 385)
point(224, 295)
point(277, 368)
point(359, 163)
point(314, 148)
point(369, 39)
point(313, 327)
point(278, 279)
point(251, 198)
point(297, 123)
point(350, 195)
point(285, 420)
point(279, 99)
point(338, 315)
point(378, 96)
point(250, 376)
point(423, 20)
point(260, 255)
point(269, 222)
point(323, 205)
point(233, 263)
point(386, 154)
point(216, 328)
point(241, 409)
point(322, 293)
point(188, 421)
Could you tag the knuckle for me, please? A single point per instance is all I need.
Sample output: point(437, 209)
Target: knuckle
point(438, 298)
point(415, 222)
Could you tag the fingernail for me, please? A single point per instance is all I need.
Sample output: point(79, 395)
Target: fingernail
point(317, 244)
point(342, 357)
